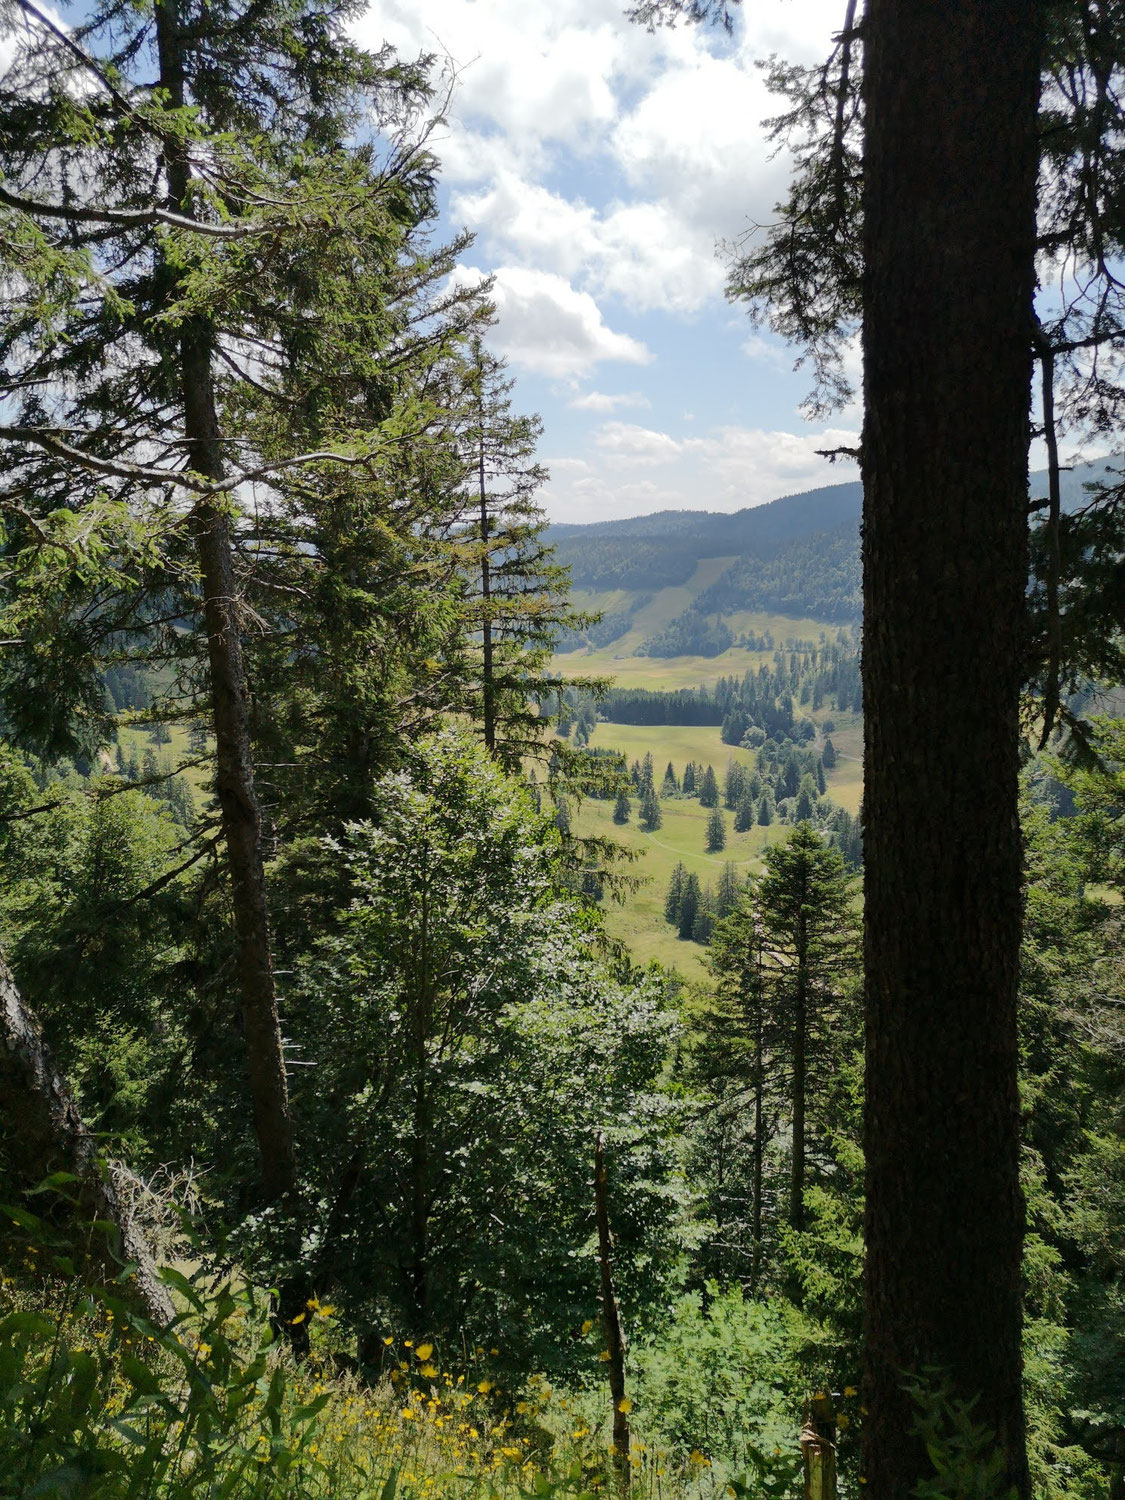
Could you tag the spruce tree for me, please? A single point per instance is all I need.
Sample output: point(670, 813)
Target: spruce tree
point(728, 892)
point(520, 602)
point(651, 816)
point(828, 755)
point(675, 895)
point(689, 779)
point(709, 789)
point(734, 784)
point(669, 786)
point(648, 783)
point(765, 810)
point(746, 813)
point(689, 906)
point(716, 832)
point(821, 782)
point(807, 919)
point(737, 1033)
point(622, 807)
point(704, 924)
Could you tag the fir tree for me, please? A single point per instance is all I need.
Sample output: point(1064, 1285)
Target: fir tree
point(803, 810)
point(821, 783)
point(622, 807)
point(689, 779)
point(765, 810)
point(669, 786)
point(828, 755)
point(709, 789)
point(716, 832)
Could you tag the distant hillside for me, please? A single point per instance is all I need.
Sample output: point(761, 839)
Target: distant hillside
point(651, 552)
point(797, 556)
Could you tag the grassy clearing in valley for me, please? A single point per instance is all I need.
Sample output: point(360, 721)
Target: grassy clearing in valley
point(639, 920)
point(617, 660)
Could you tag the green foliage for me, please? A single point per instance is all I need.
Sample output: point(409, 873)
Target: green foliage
point(723, 1377)
point(485, 1040)
point(716, 837)
point(968, 1464)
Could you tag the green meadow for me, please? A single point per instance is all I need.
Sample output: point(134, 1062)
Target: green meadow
point(617, 660)
point(637, 919)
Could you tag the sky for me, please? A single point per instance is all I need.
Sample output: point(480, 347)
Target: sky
point(601, 168)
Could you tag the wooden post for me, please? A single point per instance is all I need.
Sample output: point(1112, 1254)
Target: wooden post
point(611, 1322)
point(818, 1448)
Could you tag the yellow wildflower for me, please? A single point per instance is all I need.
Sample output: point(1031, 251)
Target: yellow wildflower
point(850, 1390)
point(587, 1325)
point(424, 1351)
point(625, 1405)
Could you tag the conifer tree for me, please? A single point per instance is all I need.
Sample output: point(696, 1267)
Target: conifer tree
point(689, 906)
point(519, 592)
point(716, 832)
point(765, 810)
point(651, 816)
point(734, 784)
point(828, 755)
point(648, 784)
point(821, 783)
point(689, 779)
point(737, 1030)
point(803, 810)
point(673, 899)
point(728, 892)
point(704, 923)
point(621, 807)
point(709, 789)
point(669, 786)
point(809, 926)
point(745, 814)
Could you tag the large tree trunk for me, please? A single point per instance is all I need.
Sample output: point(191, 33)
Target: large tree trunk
point(951, 90)
point(45, 1134)
point(234, 781)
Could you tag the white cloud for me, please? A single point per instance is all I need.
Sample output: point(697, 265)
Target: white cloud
point(603, 401)
point(639, 252)
point(545, 325)
point(727, 469)
point(625, 444)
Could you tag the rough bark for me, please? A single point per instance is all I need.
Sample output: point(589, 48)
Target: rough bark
point(234, 778)
point(45, 1134)
point(951, 89)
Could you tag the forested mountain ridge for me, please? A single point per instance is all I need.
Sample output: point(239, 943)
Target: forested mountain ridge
point(796, 556)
